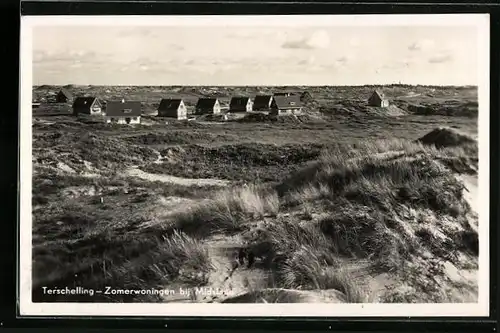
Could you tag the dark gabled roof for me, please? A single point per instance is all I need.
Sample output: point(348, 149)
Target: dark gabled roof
point(287, 102)
point(205, 103)
point(65, 92)
point(262, 98)
point(83, 102)
point(117, 108)
point(167, 104)
point(239, 101)
point(378, 93)
point(262, 101)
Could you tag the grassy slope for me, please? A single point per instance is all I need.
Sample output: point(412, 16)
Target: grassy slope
point(346, 205)
point(406, 216)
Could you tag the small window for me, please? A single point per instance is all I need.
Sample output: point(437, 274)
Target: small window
point(127, 110)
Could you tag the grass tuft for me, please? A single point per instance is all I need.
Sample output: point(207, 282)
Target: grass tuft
point(227, 211)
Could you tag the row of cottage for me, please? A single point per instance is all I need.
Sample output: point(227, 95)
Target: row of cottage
point(130, 111)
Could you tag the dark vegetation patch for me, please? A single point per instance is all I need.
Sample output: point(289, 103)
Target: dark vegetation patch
point(304, 117)
point(451, 108)
point(445, 137)
point(358, 109)
point(101, 151)
point(245, 162)
point(116, 258)
point(177, 137)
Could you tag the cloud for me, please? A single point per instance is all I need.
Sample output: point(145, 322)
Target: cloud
point(421, 45)
point(80, 54)
point(414, 47)
point(68, 57)
point(439, 59)
point(43, 57)
point(318, 40)
point(76, 64)
point(143, 63)
point(309, 61)
point(176, 47)
point(342, 60)
point(39, 56)
point(299, 44)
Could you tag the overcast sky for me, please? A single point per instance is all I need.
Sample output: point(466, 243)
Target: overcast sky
point(331, 55)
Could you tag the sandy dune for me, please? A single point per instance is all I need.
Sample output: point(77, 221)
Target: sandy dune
point(471, 191)
point(254, 285)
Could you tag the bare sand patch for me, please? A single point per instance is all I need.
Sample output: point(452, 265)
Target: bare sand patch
point(135, 172)
point(78, 191)
point(470, 191)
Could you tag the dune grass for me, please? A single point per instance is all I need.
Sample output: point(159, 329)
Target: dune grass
point(386, 201)
point(227, 211)
point(308, 269)
point(378, 208)
point(80, 241)
point(128, 261)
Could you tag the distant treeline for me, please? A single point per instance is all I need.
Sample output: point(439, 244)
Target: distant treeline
point(394, 85)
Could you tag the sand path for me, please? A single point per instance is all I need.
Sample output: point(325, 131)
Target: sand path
point(136, 172)
point(228, 277)
point(239, 284)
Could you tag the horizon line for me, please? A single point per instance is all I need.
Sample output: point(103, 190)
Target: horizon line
point(264, 85)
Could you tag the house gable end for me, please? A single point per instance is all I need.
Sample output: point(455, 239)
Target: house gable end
point(96, 104)
point(85, 102)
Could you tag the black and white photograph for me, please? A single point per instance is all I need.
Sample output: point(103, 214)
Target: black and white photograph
point(308, 165)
